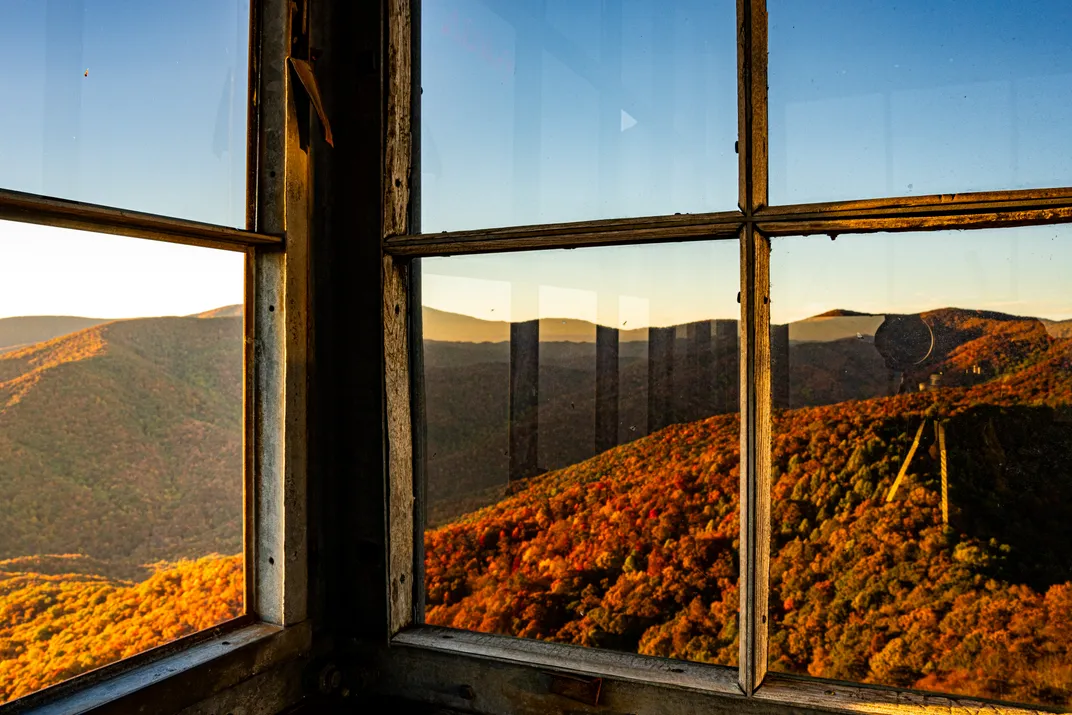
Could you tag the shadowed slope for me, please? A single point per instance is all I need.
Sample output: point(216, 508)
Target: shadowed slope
point(123, 441)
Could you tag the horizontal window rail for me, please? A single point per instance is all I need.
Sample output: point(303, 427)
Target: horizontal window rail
point(653, 229)
point(61, 213)
point(931, 212)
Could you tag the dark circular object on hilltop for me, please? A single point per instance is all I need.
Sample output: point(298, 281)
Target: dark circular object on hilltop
point(904, 341)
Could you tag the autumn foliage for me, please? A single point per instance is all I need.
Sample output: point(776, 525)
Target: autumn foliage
point(58, 619)
point(637, 548)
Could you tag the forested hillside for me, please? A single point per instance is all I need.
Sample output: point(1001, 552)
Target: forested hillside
point(636, 548)
point(123, 441)
point(120, 478)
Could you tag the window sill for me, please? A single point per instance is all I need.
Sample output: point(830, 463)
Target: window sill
point(477, 672)
point(499, 674)
point(804, 692)
point(176, 680)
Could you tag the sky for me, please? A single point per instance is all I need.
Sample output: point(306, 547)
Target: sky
point(538, 111)
point(524, 120)
point(49, 271)
point(137, 104)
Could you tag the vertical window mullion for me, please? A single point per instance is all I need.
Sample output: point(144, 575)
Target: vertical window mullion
point(754, 343)
point(278, 299)
point(755, 456)
point(397, 215)
point(752, 105)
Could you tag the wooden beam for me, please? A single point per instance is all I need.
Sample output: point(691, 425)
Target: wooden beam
point(280, 307)
point(918, 222)
point(727, 366)
point(780, 376)
point(607, 386)
point(986, 201)
point(752, 104)
point(791, 692)
point(904, 466)
point(524, 399)
point(755, 457)
point(608, 232)
point(60, 213)
point(398, 158)
point(700, 372)
point(940, 428)
point(482, 673)
point(660, 377)
point(178, 675)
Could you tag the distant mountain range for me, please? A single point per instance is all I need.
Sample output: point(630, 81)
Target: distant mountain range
point(831, 358)
point(26, 330)
point(15, 332)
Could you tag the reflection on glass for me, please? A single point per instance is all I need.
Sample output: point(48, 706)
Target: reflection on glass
point(553, 110)
point(873, 98)
point(139, 105)
point(923, 461)
point(120, 449)
point(582, 444)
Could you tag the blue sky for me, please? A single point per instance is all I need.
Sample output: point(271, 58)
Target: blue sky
point(869, 98)
point(534, 116)
point(158, 124)
point(882, 98)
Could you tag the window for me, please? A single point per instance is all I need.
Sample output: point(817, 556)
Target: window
point(122, 449)
point(151, 431)
point(901, 357)
point(583, 443)
point(919, 479)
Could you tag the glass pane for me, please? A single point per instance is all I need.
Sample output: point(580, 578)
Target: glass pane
point(872, 98)
point(582, 441)
point(120, 449)
point(923, 461)
point(566, 110)
point(139, 105)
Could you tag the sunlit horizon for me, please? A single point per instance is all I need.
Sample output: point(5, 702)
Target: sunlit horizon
point(62, 272)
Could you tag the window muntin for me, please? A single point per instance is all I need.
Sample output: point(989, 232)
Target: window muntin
point(121, 449)
point(140, 106)
point(954, 348)
point(557, 111)
point(875, 99)
point(582, 444)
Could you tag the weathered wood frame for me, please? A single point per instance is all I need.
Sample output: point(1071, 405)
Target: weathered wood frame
point(443, 667)
point(274, 634)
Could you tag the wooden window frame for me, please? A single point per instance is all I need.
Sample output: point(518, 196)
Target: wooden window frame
point(500, 674)
point(274, 632)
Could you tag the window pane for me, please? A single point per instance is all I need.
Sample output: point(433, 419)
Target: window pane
point(582, 443)
point(873, 98)
point(139, 105)
point(922, 451)
point(562, 110)
point(121, 475)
